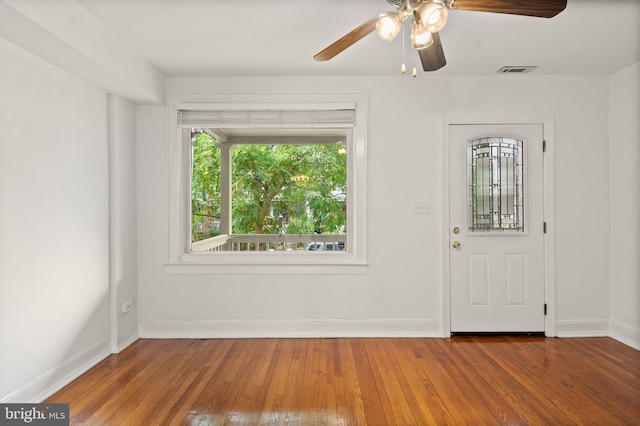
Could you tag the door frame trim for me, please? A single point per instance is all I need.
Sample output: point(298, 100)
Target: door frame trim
point(548, 123)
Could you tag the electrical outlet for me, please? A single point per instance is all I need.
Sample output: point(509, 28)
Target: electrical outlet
point(127, 307)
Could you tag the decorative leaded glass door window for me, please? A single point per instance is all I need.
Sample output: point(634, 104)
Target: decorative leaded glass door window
point(495, 188)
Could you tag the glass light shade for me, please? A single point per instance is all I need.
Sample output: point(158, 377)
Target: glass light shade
point(433, 16)
point(420, 37)
point(389, 25)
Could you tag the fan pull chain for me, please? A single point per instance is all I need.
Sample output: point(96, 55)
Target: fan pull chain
point(403, 69)
point(414, 73)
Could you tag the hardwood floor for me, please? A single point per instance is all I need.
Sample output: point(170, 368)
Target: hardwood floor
point(512, 380)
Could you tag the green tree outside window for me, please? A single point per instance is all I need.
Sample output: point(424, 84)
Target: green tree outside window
point(295, 189)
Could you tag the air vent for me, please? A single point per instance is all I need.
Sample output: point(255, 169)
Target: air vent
point(516, 70)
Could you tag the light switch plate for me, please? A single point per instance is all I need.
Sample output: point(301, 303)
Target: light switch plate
point(421, 207)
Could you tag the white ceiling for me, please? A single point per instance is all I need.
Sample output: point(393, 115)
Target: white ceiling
point(280, 37)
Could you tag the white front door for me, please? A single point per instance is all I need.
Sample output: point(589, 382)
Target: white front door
point(496, 245)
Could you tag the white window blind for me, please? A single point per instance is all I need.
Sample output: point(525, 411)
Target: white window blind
point(267, 118)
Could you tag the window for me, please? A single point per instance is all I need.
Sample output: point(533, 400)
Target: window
point(273, 182)
point(286, 190)
point(495, 185)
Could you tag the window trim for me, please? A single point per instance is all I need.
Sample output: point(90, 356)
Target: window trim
point(182, 261)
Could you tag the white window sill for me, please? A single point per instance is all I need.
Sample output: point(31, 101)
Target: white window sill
point(266, 268)
point(267, 264)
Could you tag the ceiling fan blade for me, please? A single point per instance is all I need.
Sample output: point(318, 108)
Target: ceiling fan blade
point(348, 39)
point(432, 57)
point(537, 8)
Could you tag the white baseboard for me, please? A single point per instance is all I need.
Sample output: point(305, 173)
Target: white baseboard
point(289, 328)
point(127, 337)
point(61, 375)
point(583, 328)
point(625, 333)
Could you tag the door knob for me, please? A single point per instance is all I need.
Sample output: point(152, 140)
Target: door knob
point(456, 230)
point(456, 244)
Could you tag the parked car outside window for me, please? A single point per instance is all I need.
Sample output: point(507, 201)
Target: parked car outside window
point(322, 246)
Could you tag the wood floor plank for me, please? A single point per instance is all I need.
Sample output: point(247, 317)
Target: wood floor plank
point(460, 381)
point(494, 408)
point(390, 363)
point(372, 404)
point(510, 379)
point(211, 354)
point(354, 405)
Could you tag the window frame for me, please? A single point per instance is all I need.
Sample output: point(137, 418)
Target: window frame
point(182, 260)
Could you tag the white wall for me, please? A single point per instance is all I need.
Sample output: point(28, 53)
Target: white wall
point(624, 158)
point(123, 238)
point(401, 293)
point(54, 290)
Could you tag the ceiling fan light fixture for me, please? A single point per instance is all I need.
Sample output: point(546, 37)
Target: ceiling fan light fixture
point(433, 16)
point(389, 25)
point(429, 16)
point(420, 37)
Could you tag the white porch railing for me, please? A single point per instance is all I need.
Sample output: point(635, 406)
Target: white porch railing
point(210, 244)
point(271, 242)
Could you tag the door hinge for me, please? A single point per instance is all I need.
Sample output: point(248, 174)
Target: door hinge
point(545, 309)
point(544, 227)
point(544, 146)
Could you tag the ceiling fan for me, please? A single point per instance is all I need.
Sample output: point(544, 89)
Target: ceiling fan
point(428, 17)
